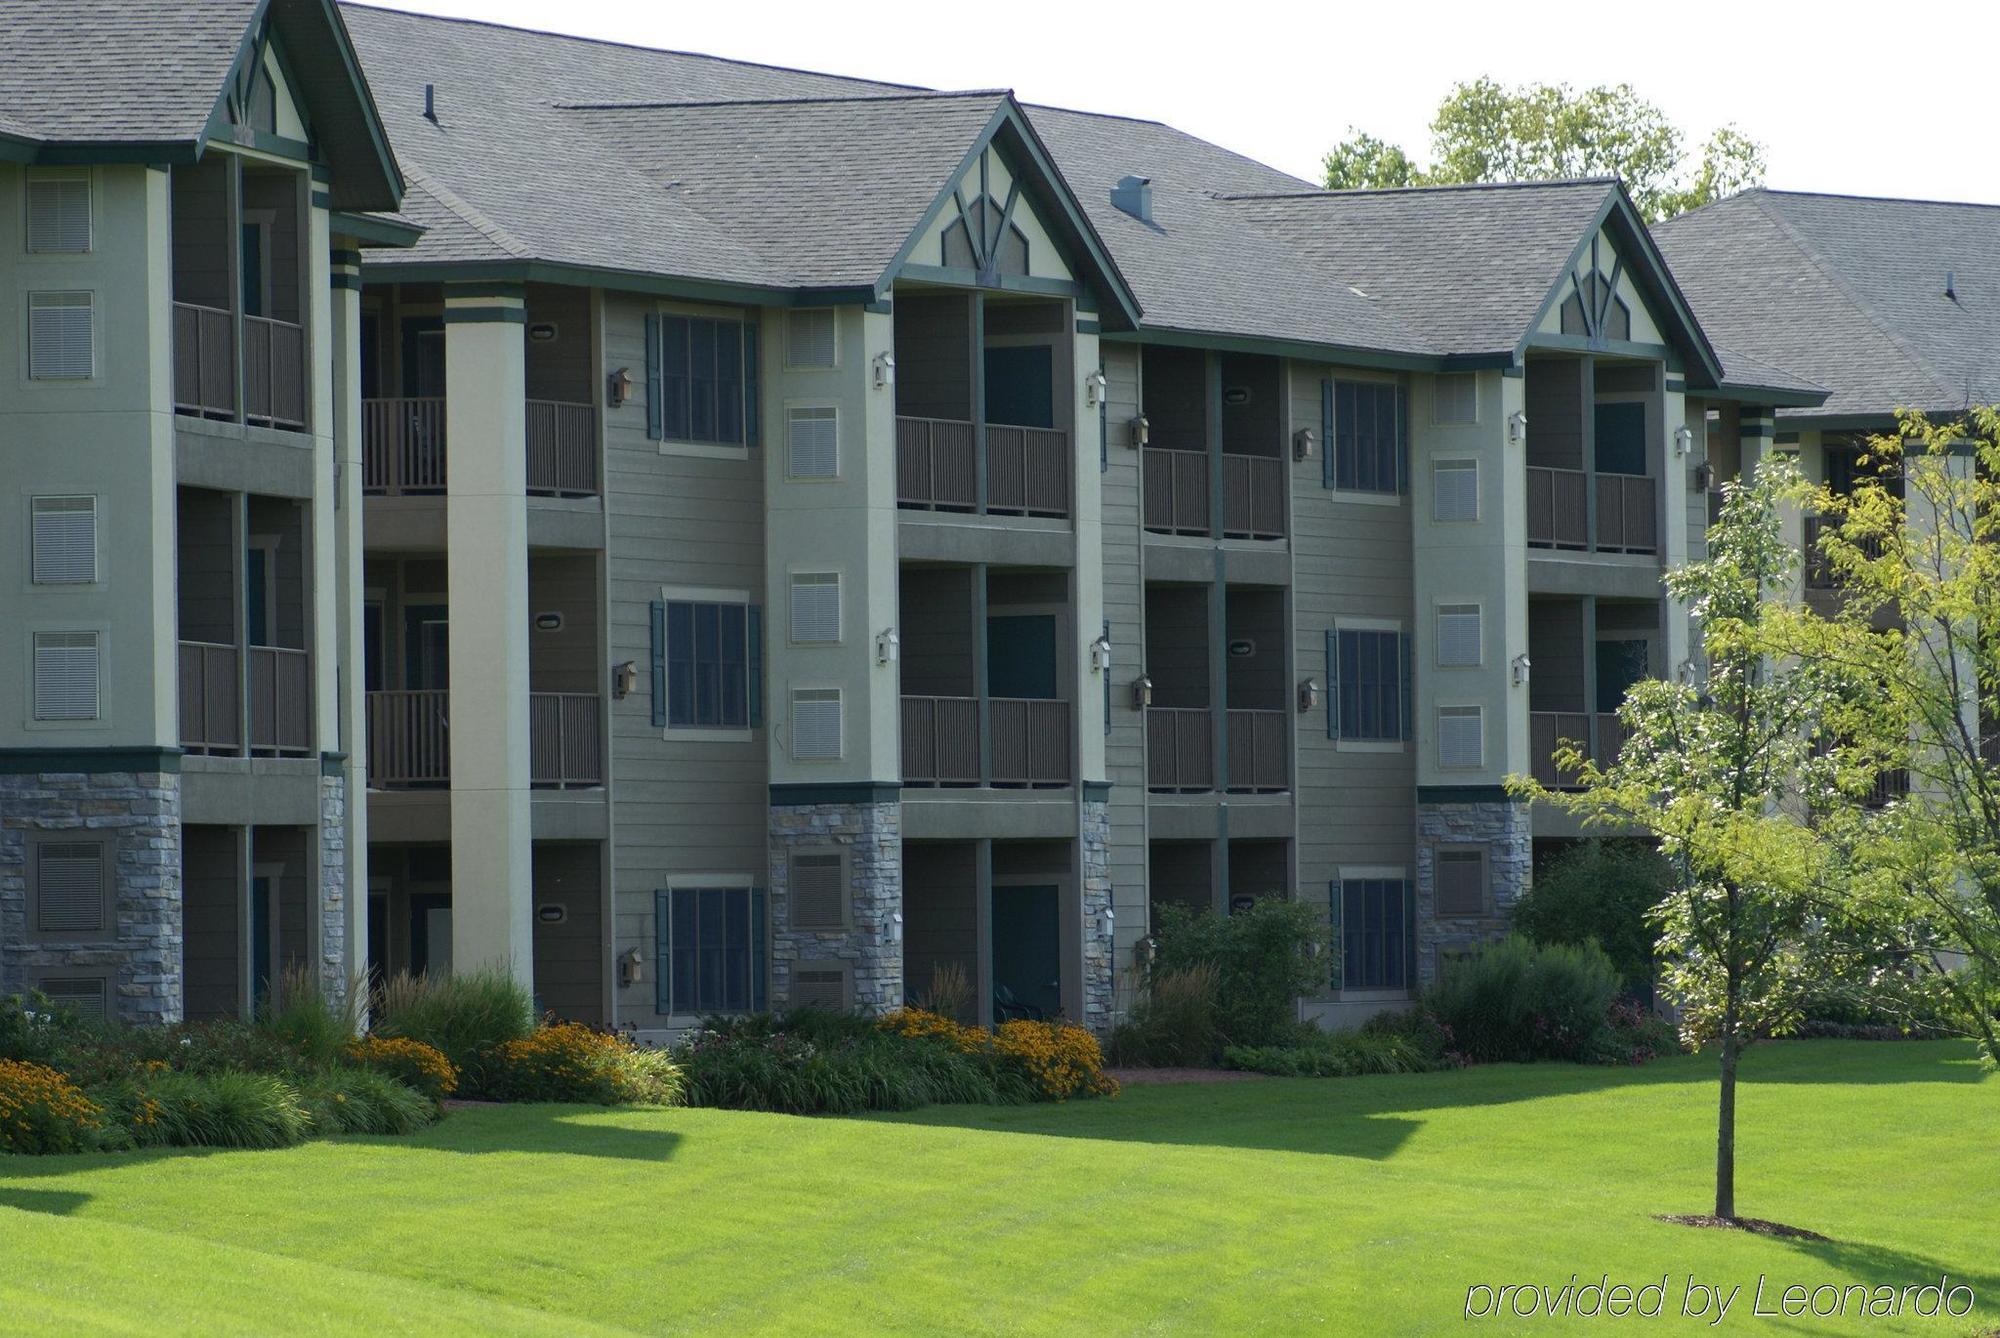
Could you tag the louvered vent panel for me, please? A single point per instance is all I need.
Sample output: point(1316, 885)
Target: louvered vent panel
point(1455, 490)
point(818, 898)
point(59, 336)
point(809, 336)
point(59, 216)
point(1461, 736)
point(815, 607)
point(816, 724)
point(69, 888)
point(89, 995)
point(1458, 635)
point(813, 443)
point(65, 540)
point(1458, 398)
point(65, 675)
point(819, 987)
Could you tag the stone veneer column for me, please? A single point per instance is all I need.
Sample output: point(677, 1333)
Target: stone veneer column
point(1506, 829)
point(137, 815)
point(335, 973)
point(871, 834)
point(1095, 862)
point(492, 847)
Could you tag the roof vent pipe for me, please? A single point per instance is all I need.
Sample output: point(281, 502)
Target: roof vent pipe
point(430, 103)
point(1134, 196)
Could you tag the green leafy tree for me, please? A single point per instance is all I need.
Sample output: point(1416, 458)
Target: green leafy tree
point(1487, 131)
point(1743, 784)
point(1601, 891)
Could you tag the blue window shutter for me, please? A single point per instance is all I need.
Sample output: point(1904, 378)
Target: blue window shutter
point(656, 418)
point(663, 952)
point(1408, 684)
point(1333, 685)
point(1402, 441)
point(659, 621)
point(759, 974)
point(756, 654)
point(753, 420)
point(1107, 686)
point(1336, 942)
point(1327, 448)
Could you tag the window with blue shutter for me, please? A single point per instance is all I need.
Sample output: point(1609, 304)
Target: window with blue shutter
point(1333, 685)
point(707, 374)
point(1370, 690)
point(710, 948)
point(753, 435)
point(756, 666)
point(1377, 927)
point(659, 636)
point(1366, 436)
point(708, 659)
point(656, 408)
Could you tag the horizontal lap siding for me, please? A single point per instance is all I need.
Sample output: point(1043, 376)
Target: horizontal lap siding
point(678, 807)
point(1353, 559)
point(1124, 609)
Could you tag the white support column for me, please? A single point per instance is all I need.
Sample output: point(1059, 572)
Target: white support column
point(487, 586)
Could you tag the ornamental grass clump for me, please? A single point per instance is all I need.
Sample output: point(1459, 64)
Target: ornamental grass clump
point(41, 1111)
point(469, 1015)
point(364, 1101)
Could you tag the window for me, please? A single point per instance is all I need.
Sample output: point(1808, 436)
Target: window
point(1365, 435)
point(708, 666)
point(1455, 398)
point(819, 890)
point(1370, 670)
point(711, 949)
point(701, 380)
point(809, 337)
point(65, 675)
point(812, 443)
point(1461, 880)
point(1458, 636)
point(1454, 491)
point(1461, 737)
point(59, 338)
point(815, 607)
point(1377, 933)
point(59, 215)
point(65, 540)
point(69, 899)
point(816, 724)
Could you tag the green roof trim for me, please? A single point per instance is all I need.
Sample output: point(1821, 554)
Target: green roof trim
point(375, 229)
point(632, 281)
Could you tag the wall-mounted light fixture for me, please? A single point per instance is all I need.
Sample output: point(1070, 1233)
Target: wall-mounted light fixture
point(1683, 439)
point(1100, 655)
point(1142, 432)
point(548, 622)
point(885, 370)
point(1308, 695)
point(1517, 427)
point(1688, 672)
point(892, 928)
point(1302, 444)
point(1522, 666)
point(1704, 476)
point(887, 646)
point(1107, 921)
point(618, 387)
point(1093, 390)
point(624, 680)
point(1147, 950)
point(629, 963)
point(1142, 692)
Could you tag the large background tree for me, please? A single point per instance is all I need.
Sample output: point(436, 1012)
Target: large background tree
point(1486, 131)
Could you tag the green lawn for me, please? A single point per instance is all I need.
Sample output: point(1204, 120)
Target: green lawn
point(1338, 1207)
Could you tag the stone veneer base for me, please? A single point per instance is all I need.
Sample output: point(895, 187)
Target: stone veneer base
point(871, 835)
point(1506, 830)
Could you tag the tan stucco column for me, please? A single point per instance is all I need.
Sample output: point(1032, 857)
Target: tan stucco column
point(487, 586)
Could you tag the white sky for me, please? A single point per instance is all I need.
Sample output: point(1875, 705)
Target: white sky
point(1870, 100)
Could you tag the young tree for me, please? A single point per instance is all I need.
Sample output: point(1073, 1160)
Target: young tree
point(1486, 131)
point(1741, 781)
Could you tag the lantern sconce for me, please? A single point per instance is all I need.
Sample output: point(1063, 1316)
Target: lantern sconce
point(1100, 655)
point(885, 370)
point(1302, 444)
point(1517, 427)
point(1142, 693)
point(1142, 432)
point(1522, 666)
point(618, 387)
point(1704, 476)
point(1308, 695)
point(887, 646)
point(629, 963)
point(892, 928)
point(624, 680)
point(1107, 921)
point(1093, 390)
point(1683, 439)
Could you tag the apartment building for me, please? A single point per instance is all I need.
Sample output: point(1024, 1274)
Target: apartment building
point(179, 267)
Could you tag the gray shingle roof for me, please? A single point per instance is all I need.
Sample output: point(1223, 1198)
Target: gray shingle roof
point(1851, 293)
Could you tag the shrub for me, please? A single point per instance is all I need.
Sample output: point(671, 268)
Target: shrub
point(300, 1016)
point(410, 1062)
point(1337, 1054)
point(568, 1061)
point(364, 1101)
point(1263, 958)
point(1517, 1001)
point(42, 1111)
point(808, 1062)
point(1174, 1024)
point(467, 1015)
point(1635, 1035)
point(1060, 1057)
point(220, 1110)
point(1603, 891)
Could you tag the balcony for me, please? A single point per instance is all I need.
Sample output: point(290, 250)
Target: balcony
point(279, 684)
point(409, 740)
point(1559, 516)
point(1180, 750)
point(1600, 734)
point(1027, 468)
point(565, 740)
point(1190, 658)
point(1258, 762)
point(1181, 474)
point(403, 447)
point(211, 699)
point(1031, 742)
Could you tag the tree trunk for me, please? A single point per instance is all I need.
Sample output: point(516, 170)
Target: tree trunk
point(1725, 1125)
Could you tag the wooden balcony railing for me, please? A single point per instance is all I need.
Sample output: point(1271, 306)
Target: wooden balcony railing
point(274, 372)
point(935, 465)
point(1558, 510)
point(1027, 471)
point(941, 741)
point(1547, 729)
point(211, 699)
point(280, 700)
point(565, 742)
point(409, 738)
point(1176, 491)
point(1889, 786)
point(204, 361)
point(1253, 497)
point(1030, 741)
point(1180, 749)
point(562, 449)
point(1257, 752)
point(1627, 514)
point(402, 445)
